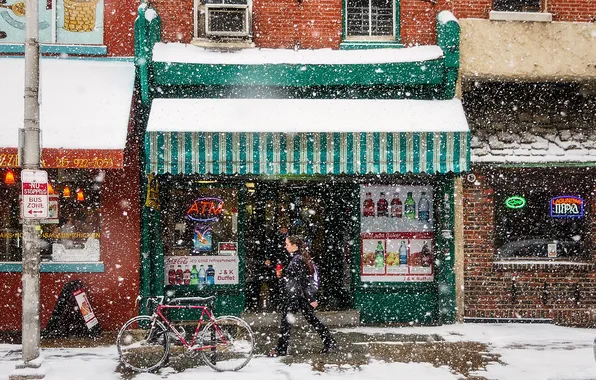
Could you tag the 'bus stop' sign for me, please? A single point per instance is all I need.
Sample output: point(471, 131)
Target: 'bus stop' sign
point(35, 194)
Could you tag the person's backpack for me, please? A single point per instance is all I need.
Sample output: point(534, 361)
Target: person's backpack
point(315, 281)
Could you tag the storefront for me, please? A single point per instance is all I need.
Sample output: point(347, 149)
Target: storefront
point(364, 165)
point(92, 231)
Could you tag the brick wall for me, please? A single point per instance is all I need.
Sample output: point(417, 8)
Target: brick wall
point(315, 24)
point(563, 293)
point(177, 22)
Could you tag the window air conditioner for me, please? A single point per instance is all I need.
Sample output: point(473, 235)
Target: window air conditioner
point(226, 20)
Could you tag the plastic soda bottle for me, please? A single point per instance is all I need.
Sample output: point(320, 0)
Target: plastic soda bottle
point(427, 258)
point(380, 255)
point(202, 275)
point(403, 254)
point(194, 276)
point(396, 207)
point(423, 207)
point(179, 275)
point(186, 276)
point(368, 207)
point(410, 207)
point(382, 206)
point(210, 275)
point(172, 275)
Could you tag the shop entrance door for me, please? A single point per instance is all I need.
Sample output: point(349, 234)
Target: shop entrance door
point(321, 212)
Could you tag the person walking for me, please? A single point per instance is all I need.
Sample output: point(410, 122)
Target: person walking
point(297, 297)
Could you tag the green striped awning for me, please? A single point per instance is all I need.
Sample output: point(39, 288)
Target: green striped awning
point(278, 153)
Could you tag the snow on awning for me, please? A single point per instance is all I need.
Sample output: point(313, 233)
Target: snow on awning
point(306, 136)
point(84, 111)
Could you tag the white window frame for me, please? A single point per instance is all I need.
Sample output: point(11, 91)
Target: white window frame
point(370, 37)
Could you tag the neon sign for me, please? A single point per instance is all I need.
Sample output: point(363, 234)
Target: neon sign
point(205, 209)
point(567, 206)
point(515, 202)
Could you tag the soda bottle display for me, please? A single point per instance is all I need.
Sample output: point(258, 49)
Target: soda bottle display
point(396, 207)
point(172, 276)
point(423, 207)
point(368, 207)
point(380, 255)
point(202, 275)
point(403, 254)
point(179, 275)
point(382, 206)
point(194, 276)
point(186, 276)
point(410, 207)
point(210, 272)
point(427, 258)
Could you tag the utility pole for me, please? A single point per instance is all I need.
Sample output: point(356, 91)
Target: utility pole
point(31, 161)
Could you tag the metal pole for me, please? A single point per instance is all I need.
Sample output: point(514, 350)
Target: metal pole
point(31, 160)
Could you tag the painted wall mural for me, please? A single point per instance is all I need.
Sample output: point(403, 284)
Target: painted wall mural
point(60, 21)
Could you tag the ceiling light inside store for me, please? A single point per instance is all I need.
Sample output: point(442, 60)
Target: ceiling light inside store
point(9, 177)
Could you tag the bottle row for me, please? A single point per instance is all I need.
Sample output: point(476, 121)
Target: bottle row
point(409, 209)
point(402, 257)
point(192, 276)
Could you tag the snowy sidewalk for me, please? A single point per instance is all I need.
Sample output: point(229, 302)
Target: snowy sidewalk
point(513, 351)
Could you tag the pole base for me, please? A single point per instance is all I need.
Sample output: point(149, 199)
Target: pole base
point(28, 371)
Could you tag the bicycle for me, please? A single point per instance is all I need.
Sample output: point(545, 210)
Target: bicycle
point(225, 343)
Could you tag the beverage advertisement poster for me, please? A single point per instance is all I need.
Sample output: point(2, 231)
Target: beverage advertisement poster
point(200, 270)
point(85, 308)
point(396, 233)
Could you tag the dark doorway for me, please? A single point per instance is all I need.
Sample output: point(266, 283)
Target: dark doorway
point(321, 211)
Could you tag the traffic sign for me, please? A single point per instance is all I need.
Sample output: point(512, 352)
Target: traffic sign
point(35, 194)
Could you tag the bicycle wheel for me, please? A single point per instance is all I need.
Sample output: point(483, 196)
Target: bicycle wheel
point(231, 341)
point(141, 347)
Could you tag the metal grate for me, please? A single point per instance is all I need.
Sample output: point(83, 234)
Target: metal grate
point(517, 5)
point(369, 17)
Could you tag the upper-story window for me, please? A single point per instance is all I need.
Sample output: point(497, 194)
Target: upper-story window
point(370, 19)
point(223, 19)
point(516, 5)
point(60, 21)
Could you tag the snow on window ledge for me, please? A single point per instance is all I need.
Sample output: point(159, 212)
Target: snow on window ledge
point(549, 265)
point(520, 16)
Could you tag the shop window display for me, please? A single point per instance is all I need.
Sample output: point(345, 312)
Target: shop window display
point(71, 233)
point(541, 224)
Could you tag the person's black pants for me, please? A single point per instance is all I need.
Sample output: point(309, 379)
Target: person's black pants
point(309, 314)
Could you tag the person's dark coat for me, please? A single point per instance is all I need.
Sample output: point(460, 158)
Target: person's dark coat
point(296, 279)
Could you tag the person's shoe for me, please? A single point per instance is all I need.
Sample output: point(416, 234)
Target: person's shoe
point(275, 353)
point(331, 347)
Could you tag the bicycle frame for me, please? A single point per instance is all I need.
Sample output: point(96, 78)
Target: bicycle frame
point(204, 312)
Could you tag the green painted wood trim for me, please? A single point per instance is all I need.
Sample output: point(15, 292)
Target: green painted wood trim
point(364, 45)
point(46, 267)
point(57, 49)
point(147, 33)
point(145, 269)
point(445, 248)
point(425, 73)
point(546, 164)
point(448, 39)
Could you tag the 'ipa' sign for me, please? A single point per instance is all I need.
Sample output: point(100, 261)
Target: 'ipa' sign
point(567, 206)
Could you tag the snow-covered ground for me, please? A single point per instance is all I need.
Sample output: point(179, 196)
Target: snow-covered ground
point(527, 351)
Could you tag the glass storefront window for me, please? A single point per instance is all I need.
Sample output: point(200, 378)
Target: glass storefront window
point(71, 233)
point(200, 234)
point(534, 222)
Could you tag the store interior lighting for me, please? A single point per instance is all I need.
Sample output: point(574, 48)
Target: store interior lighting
point(66, 192)
point(9, 177)
point(50, 188)
point(80, 195)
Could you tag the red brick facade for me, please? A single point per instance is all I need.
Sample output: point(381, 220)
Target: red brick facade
point(315, 24)
point(564, 293)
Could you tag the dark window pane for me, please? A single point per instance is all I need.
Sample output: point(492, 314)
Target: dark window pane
point(227, 20)
point(517, 5)
point(358, 18)
point(382, 18)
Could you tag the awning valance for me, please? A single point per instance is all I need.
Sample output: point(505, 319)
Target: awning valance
point(282, 137)
point(84, 116)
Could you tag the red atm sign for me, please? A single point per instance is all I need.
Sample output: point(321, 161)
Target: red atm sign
point(35, 194)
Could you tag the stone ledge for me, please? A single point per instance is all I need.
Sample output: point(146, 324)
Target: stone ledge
point(343, 318)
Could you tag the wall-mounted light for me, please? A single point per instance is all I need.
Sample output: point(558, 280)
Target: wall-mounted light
point(9, 177)
point(66, 192)
point(80, 195)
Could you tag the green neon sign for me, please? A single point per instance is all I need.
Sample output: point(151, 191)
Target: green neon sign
point(515, 202)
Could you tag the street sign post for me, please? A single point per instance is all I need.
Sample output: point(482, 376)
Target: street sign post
point(35, 194)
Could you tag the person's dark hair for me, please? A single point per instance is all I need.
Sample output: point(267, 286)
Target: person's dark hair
point(301, 243)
